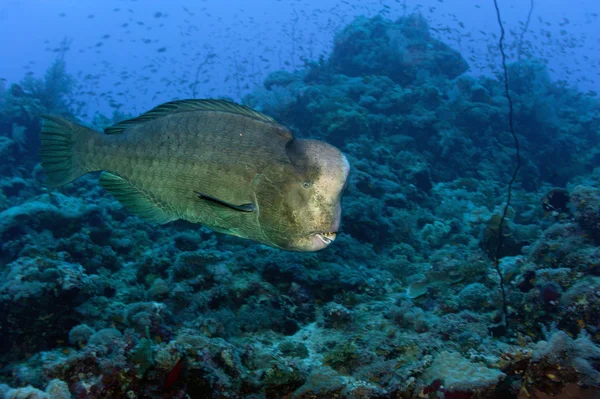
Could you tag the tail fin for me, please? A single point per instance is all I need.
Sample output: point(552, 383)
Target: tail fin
point(59, 160)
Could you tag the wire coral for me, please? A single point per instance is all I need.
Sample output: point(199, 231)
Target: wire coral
point(514, 174)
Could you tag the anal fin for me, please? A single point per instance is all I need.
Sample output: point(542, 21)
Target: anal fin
point(136, 201)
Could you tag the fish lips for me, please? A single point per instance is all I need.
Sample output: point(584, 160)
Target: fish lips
point(322, 239)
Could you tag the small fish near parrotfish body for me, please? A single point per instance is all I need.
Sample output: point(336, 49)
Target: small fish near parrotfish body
point(226, 166)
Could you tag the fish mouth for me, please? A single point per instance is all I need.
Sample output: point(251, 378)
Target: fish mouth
point(327, 238)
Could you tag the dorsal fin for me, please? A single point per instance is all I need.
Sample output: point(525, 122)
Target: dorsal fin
point(187, 106)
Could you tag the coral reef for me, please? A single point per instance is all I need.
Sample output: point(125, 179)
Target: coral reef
point(95, 303)
point(403, 50)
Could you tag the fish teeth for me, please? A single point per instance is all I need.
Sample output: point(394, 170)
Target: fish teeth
point(327, 238)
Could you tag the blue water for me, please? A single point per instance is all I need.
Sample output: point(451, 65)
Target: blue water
point(467, 262)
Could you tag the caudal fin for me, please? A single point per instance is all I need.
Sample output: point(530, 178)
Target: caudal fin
point(59, 137)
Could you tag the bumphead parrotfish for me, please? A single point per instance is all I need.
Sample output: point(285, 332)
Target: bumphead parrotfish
point(226, 166)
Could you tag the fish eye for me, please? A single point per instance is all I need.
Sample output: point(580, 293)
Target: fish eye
point(306, 184)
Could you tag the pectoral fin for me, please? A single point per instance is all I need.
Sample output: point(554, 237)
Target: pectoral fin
point(135, 200)
point(249, 207)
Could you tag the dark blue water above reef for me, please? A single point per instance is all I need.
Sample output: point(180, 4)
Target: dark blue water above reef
point(433, 288)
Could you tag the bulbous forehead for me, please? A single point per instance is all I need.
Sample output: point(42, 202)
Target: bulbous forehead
point(314, 157)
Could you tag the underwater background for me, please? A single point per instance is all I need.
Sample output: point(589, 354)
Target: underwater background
point(434, 287)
